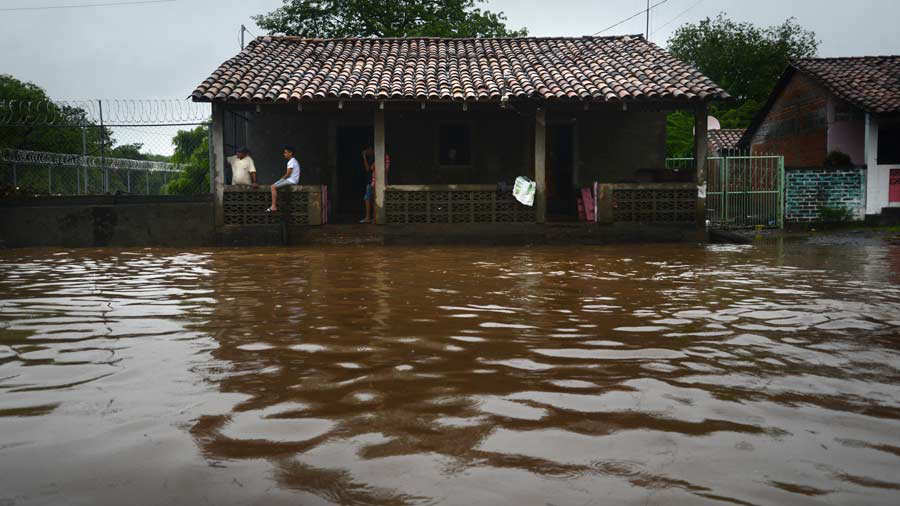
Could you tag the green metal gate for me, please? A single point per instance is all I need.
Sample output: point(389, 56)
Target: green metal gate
point(742, 191)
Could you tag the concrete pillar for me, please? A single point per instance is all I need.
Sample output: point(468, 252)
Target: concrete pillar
point(540, 174)
point(700, 161)
point(379, 166)
point(217, 150)
point(876, 185)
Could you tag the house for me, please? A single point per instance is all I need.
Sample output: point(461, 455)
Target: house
point(850, 105)
point(723, 141)
point(458, 116)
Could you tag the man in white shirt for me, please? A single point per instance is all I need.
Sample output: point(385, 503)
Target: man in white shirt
point(291, 176)
point(242, 169)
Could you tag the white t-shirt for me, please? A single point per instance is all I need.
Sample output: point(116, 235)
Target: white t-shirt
point(295, 170)
point(241, 169)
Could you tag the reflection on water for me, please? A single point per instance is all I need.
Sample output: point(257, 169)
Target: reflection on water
point(633, 374)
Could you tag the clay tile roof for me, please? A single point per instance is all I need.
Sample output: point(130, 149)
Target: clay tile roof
point(871, 83)
point(604, 69)
point(725, 138)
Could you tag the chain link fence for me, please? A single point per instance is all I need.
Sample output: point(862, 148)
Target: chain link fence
point(143, 147)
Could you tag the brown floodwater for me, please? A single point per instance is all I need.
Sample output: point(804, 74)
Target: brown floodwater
point(639, 374)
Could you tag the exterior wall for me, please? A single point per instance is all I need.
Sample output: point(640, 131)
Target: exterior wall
point(613, 146)
point(809, 190)
point(107, 221)
point(796, 125)
point(496, 148)
point(879, 175)
point(846, 130)
point(276, 126)
point(610, 146)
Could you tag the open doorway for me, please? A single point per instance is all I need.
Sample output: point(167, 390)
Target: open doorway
point(351, 177)
point(561, 199)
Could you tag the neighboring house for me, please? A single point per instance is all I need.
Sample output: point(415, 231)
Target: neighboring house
point(851, 105)
point(457, 116)
point(723, 141)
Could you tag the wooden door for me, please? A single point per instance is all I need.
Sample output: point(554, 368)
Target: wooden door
point(894, 192)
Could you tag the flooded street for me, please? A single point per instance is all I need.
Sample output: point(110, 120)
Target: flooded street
point(634, 374)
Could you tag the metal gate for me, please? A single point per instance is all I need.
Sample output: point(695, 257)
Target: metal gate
point(742, 191)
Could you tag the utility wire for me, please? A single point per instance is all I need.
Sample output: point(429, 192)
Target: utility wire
point(682, 13)
point(77, 6)
point(629, 18)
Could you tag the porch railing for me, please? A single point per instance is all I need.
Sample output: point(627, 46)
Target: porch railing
point(658, 203)
point(453, 204)
point(298, 205)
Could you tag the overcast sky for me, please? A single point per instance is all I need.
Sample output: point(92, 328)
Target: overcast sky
point(163, 50)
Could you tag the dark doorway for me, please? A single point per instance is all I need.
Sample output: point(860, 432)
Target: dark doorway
point(561, 198)
point(351, 177)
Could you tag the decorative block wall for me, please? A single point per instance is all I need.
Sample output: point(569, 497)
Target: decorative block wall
point(454, 206)
point(649, 205)
point(806, 191)
point(245, 206)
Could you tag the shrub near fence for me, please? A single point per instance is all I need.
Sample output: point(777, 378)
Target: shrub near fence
point(821, 194)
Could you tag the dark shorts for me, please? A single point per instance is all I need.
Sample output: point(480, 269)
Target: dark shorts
point(370, 192)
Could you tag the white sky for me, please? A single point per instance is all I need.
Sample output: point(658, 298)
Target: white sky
point(164, 50)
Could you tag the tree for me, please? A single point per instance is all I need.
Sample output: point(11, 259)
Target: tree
point(192, 151)
point(129, 151)
point(29, 113)
point(742, 58)
point(385, 18)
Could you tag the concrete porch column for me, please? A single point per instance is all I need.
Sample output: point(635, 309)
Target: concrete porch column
point(380, 215)
point(700, 125)
point(217, 161)
point(540, 173)
point(876, 185)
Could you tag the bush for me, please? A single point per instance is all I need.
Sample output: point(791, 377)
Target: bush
point(837, 159)
point(835, 214)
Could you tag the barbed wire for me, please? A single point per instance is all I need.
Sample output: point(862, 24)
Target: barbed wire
point(26, 157)
point(115, 112)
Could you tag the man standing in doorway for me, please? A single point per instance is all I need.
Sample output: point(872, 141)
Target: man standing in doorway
point(242, 169)
point(291, 176)
point(368, 159)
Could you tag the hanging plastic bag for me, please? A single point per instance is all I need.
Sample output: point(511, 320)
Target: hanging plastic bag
point(523, 190)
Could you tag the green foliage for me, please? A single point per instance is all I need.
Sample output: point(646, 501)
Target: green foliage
point(129, 151)
point(837, 159)
point(385, 18)
point(742, 58)
point(48, 138)
point(192, 151)
point(837, 214)
point(680, 135)
point(72, 131)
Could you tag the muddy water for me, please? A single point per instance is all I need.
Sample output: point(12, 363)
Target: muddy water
point(591, 375)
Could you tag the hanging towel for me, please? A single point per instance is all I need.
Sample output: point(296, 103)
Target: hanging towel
point(523, 190)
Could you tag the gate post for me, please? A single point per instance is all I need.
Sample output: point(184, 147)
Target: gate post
point(700, 124)
point(781, 192)
point(724, 180)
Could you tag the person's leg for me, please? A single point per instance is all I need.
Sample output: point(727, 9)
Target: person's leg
point(367, 199)
point(274, 198)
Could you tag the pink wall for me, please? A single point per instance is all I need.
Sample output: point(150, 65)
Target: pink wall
point(846, 132)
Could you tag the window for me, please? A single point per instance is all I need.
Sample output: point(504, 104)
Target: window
point(454, 145)
point(889, 142)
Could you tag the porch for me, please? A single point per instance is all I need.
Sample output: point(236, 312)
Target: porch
point(450, 162)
